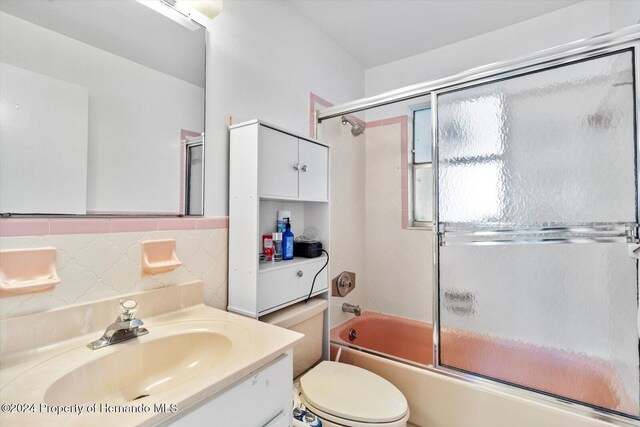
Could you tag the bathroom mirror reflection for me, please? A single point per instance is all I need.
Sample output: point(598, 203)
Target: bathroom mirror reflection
point(101, 99)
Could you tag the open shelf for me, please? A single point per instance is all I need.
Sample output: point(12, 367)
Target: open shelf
point(291, 199)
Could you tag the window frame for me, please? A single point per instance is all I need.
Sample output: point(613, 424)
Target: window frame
point(412, 166)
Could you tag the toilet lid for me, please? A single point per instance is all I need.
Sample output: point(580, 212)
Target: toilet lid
point(352, 393)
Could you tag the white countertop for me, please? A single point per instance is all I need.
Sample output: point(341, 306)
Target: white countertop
point(26, 375)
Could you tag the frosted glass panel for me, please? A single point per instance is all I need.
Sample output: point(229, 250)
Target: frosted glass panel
point(561, 319)
point(503, 145)
point(423, 193)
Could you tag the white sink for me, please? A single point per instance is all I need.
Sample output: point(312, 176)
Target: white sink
point(173, 357)
point(140, 369)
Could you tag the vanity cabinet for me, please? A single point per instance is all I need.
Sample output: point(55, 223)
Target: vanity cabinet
point(271, 170)
point(291, 167)
point(261, 399)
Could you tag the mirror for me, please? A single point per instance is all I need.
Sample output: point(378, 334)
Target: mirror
point(101, 109)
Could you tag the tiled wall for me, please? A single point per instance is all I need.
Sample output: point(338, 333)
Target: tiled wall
point(369, 233)
point(398, 260)
point(347, 212)
point(96, 263)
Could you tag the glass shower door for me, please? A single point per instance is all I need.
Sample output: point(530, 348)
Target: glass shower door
point(537, 222)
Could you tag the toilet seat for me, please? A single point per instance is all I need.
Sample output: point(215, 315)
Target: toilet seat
point(349, 395)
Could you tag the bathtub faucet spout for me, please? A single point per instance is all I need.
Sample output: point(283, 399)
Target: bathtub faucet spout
point(350, 308)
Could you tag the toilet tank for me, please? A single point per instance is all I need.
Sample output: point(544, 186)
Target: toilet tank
point(305, 318)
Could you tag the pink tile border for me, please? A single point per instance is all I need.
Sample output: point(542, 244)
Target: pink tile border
point(73, 226)
point(313, 100)
point(13, 227)
point(213, 223)
point(403, 121)
point(23, 227)
point(176, 224)
point(133, 224)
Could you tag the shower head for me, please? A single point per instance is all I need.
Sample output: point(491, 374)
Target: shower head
point(356, 128)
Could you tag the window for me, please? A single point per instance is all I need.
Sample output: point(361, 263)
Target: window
point(421, 176)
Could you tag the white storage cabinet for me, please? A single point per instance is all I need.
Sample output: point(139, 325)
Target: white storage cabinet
point(273, 169)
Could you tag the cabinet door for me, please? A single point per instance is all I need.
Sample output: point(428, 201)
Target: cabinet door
point(314, 161)
point(261, 399)
point(277, 163)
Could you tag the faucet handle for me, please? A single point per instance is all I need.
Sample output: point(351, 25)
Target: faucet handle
point(128, 309)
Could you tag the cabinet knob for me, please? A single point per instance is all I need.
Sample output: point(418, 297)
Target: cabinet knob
point(296, 166)
point(304, 168)
point(300, 273)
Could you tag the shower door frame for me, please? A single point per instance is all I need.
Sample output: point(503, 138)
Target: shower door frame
point(615, 234)
point(627, 38)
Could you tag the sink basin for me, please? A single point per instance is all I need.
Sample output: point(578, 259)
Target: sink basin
point(140, 369)
point(191, 354)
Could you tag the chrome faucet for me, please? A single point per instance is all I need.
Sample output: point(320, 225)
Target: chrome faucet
point(125, 327)
point(350, 308)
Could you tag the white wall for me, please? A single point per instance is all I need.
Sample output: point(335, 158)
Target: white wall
point(263, 59)
point(135, 116)
point(43, 143)
point(623, 13)
point(582, 20)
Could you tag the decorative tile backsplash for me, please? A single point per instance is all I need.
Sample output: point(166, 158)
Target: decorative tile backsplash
point(100, 265)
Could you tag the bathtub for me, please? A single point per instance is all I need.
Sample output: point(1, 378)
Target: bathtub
point(384, 340)
point(401, 339)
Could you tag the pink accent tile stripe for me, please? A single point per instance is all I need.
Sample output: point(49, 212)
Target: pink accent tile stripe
point(12, 227)
point(176, 224)
point(213, 223)
point(313, 101)
point(404, 159)
point(133, 224)
point(73, 226)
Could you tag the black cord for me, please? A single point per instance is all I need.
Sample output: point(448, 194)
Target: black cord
point(319, 271)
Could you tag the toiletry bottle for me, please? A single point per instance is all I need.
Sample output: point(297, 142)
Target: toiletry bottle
point(277, 246)
point(287, 241)
point(267, 247)
point(282, 215)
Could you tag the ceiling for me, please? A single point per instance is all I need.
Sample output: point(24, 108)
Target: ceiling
point(376, 32)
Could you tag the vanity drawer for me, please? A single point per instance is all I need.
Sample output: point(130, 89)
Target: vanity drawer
point(282, 284)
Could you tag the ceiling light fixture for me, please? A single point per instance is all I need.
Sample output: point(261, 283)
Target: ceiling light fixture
point(205, 8)
point(170, 11)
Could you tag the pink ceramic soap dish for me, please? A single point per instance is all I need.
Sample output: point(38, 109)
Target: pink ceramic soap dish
point(159, 256)
point(27, 271)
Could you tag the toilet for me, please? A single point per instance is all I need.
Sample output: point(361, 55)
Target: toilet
point(339, 394)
